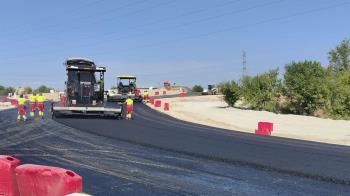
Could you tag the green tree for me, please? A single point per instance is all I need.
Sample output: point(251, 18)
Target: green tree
point(2, 90)
point(10, 90)
point(197, 88)
point(305, 87)
point(28, 90)
point(261, 92)
point(231, 92)
point(340, 96)
point(42, 89)
point(6, 91)
point(339, 58)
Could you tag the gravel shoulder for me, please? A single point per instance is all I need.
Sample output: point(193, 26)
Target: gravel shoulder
point(213, 111)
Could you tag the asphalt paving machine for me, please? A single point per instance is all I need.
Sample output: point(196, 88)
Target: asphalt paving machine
point(84, 93)
point(126, 88)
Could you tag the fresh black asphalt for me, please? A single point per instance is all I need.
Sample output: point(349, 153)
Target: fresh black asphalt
point(151, 128)
point(157, 155)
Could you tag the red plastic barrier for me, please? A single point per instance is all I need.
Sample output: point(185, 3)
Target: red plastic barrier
point(156, 93)
point(8, 184)
point(264, 128)
point(42, 180)
point(157, 103)
point(151, 100)
point(166, 107)
point(138, 92)
point(14, 102)
point(62, 101)
point(262, 132)
point(164, 92)
point(3, 99)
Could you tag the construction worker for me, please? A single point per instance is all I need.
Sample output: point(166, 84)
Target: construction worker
point(129, 107)
point(21, 108)
point(145, 96)
point(40, 104)
point(32, 104)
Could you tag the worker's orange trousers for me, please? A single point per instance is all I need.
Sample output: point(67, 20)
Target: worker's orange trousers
point(129, 108)
point(21, 110)
point(40, 106)
point(32, 106)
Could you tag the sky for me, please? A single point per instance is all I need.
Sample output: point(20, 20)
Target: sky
point(186, 42)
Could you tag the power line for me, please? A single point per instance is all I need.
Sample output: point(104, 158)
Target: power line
point(310, 11)
point(74, 10)
point(176, 26)
point(184, 24)
point(251, 24)
point(193, 12)
point(129, 4)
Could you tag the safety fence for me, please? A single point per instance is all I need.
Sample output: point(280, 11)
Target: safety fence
point(38, 180)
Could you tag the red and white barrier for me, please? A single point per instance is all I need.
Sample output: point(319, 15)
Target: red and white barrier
point(42, 180)
point(8, 184)
point(13, 102)
point(264, 128)
point(157, 103)
point(151, 100)
point(166, 107)
point(62, 100)
point(3, 99)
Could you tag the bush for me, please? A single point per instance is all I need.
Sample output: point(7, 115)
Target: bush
point(28, 90)
point(340, 96)
point(6, 91)
point(2, 90)
point(305, 87)
point(197, 88)
point(231, 92)
point(42, 89)
point(262, 91)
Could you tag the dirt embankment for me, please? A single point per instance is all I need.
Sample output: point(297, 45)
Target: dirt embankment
point(213, 111)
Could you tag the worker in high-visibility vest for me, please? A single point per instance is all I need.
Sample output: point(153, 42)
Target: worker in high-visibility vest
point(32, 104)
point(145, 96)
point(21, 108)
point(129, 107)
point(40, 104)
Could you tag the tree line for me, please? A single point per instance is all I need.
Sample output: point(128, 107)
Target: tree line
point(306, 88)
point(26, 90)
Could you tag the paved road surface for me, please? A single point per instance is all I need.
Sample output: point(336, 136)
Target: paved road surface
point(110, 165)
point(154, 129)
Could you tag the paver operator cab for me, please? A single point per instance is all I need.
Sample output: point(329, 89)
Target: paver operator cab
point(126, 88)
point(84, 94)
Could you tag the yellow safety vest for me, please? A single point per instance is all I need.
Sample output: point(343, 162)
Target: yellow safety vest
point(33, 98)
point(40, 99)
point(21, 101)
point(129, 101)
